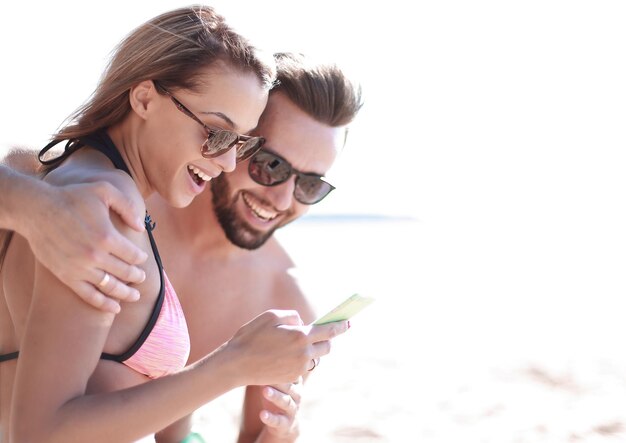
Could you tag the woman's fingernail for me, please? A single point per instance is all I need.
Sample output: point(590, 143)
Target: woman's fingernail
point(348, 324)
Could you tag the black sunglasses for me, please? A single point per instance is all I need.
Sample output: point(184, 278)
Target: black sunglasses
point(269, 169)
point(219, 141)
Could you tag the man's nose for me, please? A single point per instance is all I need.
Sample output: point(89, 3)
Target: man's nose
point(281, 196)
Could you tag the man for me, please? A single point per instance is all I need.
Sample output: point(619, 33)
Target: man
point(220, 253)
point(231, 268)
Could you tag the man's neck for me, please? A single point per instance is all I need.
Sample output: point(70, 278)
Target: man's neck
point(196, 227)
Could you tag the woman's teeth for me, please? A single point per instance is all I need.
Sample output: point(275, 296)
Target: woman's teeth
point(199, 173)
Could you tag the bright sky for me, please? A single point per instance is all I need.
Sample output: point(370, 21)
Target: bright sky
point(498, 112)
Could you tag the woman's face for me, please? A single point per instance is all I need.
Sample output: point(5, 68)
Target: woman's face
point(226, 99)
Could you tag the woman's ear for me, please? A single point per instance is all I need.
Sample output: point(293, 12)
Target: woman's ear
point(140, 96)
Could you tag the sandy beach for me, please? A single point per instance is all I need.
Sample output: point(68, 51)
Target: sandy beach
point(419, 366)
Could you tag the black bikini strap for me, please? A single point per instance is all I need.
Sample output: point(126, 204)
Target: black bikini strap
point(157, 306)
point(7, 357)
point(71, 146)
point(103, 143)
point(100, 141)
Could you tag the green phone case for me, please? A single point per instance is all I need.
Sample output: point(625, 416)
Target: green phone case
point(345, 310)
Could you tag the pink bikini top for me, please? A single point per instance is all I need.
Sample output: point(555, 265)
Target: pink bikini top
point(163, 346)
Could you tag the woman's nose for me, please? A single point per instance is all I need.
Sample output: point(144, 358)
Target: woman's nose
point(228, 160)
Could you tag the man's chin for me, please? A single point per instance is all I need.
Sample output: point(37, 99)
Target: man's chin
point(247, 238)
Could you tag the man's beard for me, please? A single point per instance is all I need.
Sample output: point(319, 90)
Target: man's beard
point(237, 230)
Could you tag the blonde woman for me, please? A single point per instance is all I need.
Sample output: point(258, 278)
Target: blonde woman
point(166, 118)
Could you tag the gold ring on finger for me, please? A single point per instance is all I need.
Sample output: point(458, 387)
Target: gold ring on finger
point(105, 279)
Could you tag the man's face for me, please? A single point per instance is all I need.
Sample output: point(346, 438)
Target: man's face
point(248, 212)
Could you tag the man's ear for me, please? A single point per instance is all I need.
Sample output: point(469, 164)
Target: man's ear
point(140, 96)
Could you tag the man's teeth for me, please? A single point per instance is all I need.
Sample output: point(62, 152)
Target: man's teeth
point(260, 212)
point(199, 173)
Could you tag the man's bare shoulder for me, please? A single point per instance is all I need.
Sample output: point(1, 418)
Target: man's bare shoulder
point(20, 158)
point(288, 290)
point(275, 254)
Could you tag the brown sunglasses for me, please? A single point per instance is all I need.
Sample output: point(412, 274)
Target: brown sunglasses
point(219, 141)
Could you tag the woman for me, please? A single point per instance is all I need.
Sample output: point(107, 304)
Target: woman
point(166, 118)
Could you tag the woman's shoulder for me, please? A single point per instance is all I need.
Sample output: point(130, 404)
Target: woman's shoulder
point(88, 166)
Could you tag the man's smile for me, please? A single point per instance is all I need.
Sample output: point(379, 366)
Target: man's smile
point(255, 206)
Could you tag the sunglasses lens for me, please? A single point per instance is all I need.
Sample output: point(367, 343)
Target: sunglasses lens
point(267, 169)
point(218, 143)
point(311, 189)
point(249, 148)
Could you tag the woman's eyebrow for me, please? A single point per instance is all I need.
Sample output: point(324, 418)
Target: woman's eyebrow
point(222, 116)
point(229, 122)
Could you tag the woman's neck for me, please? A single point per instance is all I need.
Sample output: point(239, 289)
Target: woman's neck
point(124, 138)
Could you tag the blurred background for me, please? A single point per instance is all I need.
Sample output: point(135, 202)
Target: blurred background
point(481, 200)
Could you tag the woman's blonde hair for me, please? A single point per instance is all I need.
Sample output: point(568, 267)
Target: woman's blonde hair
point(170, 49)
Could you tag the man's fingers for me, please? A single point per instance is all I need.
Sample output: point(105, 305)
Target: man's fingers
point(294, 393)
point(276, 421)
point(127, 251)
point(291, 389)
point(281, 400)
point(282, 404)
point(122, 270)
point(109, 304)
point(111, 286)
point(90, 295)
point(128, 211)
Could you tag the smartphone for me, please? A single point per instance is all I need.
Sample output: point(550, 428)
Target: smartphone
point(352, 305)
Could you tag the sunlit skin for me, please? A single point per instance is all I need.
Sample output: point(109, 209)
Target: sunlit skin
point(158, 143)
point(222, 285)
point(228, 100)
point(256, 210)
point(249, 212)
point(242, 282)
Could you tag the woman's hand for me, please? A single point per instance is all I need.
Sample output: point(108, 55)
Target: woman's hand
point(276, 347)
